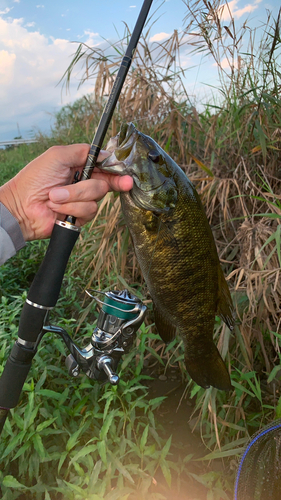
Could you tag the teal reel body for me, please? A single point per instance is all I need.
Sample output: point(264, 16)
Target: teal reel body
point(120, 316)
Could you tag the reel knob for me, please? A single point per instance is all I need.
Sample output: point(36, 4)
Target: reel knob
point(104, 363)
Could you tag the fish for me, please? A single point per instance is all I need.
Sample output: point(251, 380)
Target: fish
point(176, 251)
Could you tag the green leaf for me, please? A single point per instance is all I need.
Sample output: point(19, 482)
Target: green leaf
point(47, 496)
point(144, 438)
point(22, 450)
point(278, 408)
point(107, 405)
point(156, 402)
point(166, 448)
point(51, 394)
point(73, 440)
point(13, 444)
point(166, 473)
point(45, 424)
point(273, 373)
point(76, 489)
point(62, 459)
point(19, 421)
point(242, 388)
point(228, 450)
point(122, 469)
point(41, 380)
point(105, 428)
point(28, 421)
point(224, 454)
point(86, 450)
point(195, 390)
point(262, 139)
point(102, 451)
point(12, 482)
point(38, 445)
point(80, 471)
point(94, 476)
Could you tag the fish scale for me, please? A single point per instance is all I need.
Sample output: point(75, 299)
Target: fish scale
point(176, 252)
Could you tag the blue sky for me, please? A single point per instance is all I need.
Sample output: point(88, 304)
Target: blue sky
point(36, 48)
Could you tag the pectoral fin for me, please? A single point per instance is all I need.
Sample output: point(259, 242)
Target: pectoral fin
point(154, 224)
point(165, 328)
point(225, 309)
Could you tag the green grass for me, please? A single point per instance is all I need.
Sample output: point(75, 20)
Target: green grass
point(76, 438)
point(15, 158)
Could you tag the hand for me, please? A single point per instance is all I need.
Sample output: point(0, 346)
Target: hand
point(42, 191)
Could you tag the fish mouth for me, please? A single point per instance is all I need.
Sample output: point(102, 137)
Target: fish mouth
point(129, 151)
point(125, 128)
point(120, 147)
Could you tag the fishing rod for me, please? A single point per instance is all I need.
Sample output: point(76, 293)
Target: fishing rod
point(121, 313)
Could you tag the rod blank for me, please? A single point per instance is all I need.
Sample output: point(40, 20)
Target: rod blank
point(114, 95)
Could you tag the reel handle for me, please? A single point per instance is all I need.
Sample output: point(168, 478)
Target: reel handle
point(104, 363)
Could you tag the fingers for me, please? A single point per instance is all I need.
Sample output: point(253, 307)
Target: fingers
point(113, 181)
point(92, 189)
point(83, 211)
point(80, 199)
point(74, 155)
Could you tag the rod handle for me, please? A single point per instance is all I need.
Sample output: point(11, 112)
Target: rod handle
point(14, 375)
point(46, 285)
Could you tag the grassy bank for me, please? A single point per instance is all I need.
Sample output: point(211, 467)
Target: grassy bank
point(76, 439)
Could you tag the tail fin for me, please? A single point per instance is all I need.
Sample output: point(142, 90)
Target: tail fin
point(208, 369)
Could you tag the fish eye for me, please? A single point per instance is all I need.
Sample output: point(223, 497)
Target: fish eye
point(153, 155)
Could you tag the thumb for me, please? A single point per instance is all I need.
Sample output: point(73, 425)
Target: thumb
point(59, 194)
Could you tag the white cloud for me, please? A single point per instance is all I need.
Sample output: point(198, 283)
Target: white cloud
point(132, 6)
point(5, 11)
point(31, 65)
point(91, 38)
point(185, 61)
point(7, 61)
point(226, 64)
point(40, 6)
point(159, 37)
point(30, 25)
point(231, 8)
point(16, 1)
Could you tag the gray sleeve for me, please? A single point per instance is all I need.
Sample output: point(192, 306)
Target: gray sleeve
point(11, 238)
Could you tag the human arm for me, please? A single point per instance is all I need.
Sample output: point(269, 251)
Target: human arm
point(11, 238)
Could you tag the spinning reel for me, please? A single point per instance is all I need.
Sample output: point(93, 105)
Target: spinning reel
point(120, 316)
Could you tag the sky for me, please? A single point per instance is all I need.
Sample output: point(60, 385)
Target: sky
point(37, 41)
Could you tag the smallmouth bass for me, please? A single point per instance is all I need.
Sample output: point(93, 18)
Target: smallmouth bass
point(176, 251)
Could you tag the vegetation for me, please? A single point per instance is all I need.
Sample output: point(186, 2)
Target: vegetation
point(78, 440)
